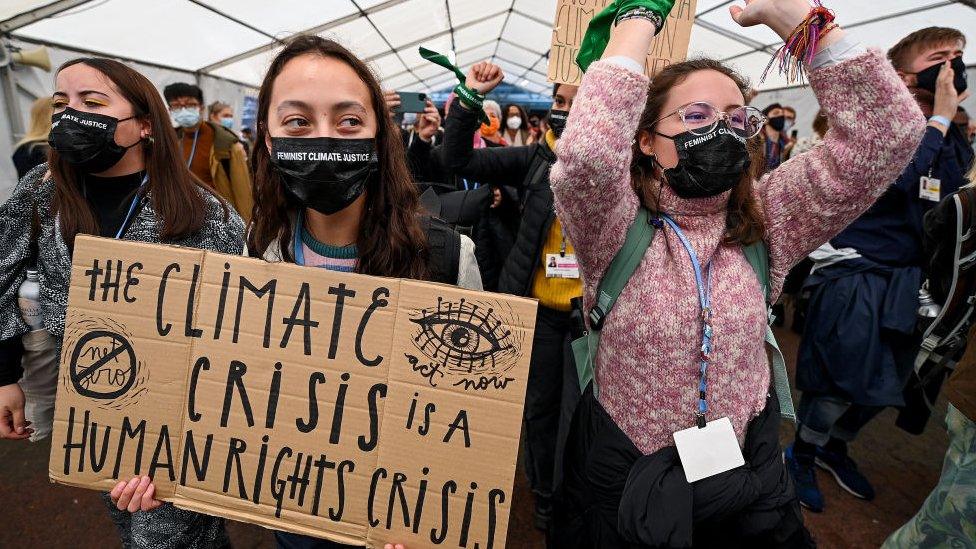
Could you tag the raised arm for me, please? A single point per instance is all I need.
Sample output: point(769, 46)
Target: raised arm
point(591, 177)
point(875, 128)
point(493, 166)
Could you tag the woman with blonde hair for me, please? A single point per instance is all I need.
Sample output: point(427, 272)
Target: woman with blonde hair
point(221, 113)
point(32, 149)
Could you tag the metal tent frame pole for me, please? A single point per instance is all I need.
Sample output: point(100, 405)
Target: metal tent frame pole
point(36, 14)
point(11, 104)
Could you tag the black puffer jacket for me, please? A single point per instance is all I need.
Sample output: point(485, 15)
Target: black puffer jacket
point(616, 497)
point(526, 168)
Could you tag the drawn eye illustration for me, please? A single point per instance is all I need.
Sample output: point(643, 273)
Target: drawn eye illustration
point(465, 336)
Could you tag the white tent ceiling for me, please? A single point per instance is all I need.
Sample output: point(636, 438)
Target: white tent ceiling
point(235, 39)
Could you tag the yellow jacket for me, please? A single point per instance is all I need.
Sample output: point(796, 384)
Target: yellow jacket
point(234, 186)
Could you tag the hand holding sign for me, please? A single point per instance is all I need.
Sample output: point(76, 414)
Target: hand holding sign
point(582, 29)
point(135, 495)
point(383, 385)
point(12, 423)
point(484, 77)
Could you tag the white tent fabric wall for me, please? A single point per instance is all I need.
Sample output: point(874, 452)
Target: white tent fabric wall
point(234, 39)
point(230, 42)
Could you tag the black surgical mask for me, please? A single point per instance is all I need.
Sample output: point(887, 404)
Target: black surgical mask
point(708, 165)
point(557, 121)
point(324, 173)
point(86, 140)
point(777, 123)
point(926, 78)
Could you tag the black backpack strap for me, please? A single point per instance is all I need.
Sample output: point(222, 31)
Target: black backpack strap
point(444, 245)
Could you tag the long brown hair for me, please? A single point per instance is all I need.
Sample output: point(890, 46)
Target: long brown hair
point(391, 240)
point(174, 190)
point(744, 219)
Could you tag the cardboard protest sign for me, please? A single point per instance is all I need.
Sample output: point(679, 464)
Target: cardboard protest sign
point(572, 18)
point(361, 409)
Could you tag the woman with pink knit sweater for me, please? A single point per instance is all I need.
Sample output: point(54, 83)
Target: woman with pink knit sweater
point(684, 148)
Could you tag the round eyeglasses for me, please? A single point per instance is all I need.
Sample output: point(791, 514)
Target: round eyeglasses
point(700, 118)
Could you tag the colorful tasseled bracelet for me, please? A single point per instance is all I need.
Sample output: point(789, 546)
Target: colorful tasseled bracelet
point(796, 54)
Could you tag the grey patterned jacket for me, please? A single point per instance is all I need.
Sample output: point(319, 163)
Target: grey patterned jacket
point(54, 261)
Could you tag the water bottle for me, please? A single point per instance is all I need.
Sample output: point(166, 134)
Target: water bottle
point(927, 307)
point(28, 298)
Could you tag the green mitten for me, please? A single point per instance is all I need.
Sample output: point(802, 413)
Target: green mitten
point(598, 32)
point(468, 96)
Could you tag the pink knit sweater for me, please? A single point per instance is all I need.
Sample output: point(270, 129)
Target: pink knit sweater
point(647, 368)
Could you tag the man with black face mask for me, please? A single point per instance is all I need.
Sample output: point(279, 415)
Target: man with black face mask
point(526, 271)
point(774, 135)
point(859, 347)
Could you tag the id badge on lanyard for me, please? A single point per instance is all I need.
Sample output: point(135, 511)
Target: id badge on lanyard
point(930, 188)
point(562, 265)
point(709, 447)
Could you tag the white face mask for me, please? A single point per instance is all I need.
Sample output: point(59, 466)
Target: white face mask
point(514, 122)
point(185, 117)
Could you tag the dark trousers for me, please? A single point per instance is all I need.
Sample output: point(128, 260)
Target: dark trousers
point(614, 497)
point(550, 354)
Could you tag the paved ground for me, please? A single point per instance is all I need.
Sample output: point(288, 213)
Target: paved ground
point(903, 468)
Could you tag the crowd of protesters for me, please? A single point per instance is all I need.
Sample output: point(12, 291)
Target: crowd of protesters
point(662, 225)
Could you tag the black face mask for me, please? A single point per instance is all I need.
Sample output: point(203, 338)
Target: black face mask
point(557, 121)
point(324, 173)
point(926, 78)
point(777, 123)
point(708, 165)
point(87, 140)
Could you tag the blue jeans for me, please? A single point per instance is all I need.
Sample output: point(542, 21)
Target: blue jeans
point(822, 416)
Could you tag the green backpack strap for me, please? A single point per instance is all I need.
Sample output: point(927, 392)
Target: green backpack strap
point(757, 255)
point(639, 237)
point(622, 267)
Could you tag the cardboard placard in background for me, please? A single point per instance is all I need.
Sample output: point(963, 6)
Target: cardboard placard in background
point(572, 18)
point(363, 409)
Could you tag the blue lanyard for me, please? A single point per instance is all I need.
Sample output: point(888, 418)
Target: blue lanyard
point(297, 241)
point(704, 284)
point(132, 207)
point(193, 148)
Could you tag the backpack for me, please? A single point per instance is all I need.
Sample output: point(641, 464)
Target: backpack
point(950, 254)
point(951, 270)
point(639, 236)
point(444, 245)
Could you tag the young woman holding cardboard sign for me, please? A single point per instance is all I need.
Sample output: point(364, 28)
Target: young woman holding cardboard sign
point(692, 379)
point(332, 190)
point(115, 170)
point(360, 215)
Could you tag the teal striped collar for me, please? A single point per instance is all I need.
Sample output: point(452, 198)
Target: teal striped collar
point(326, 250)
